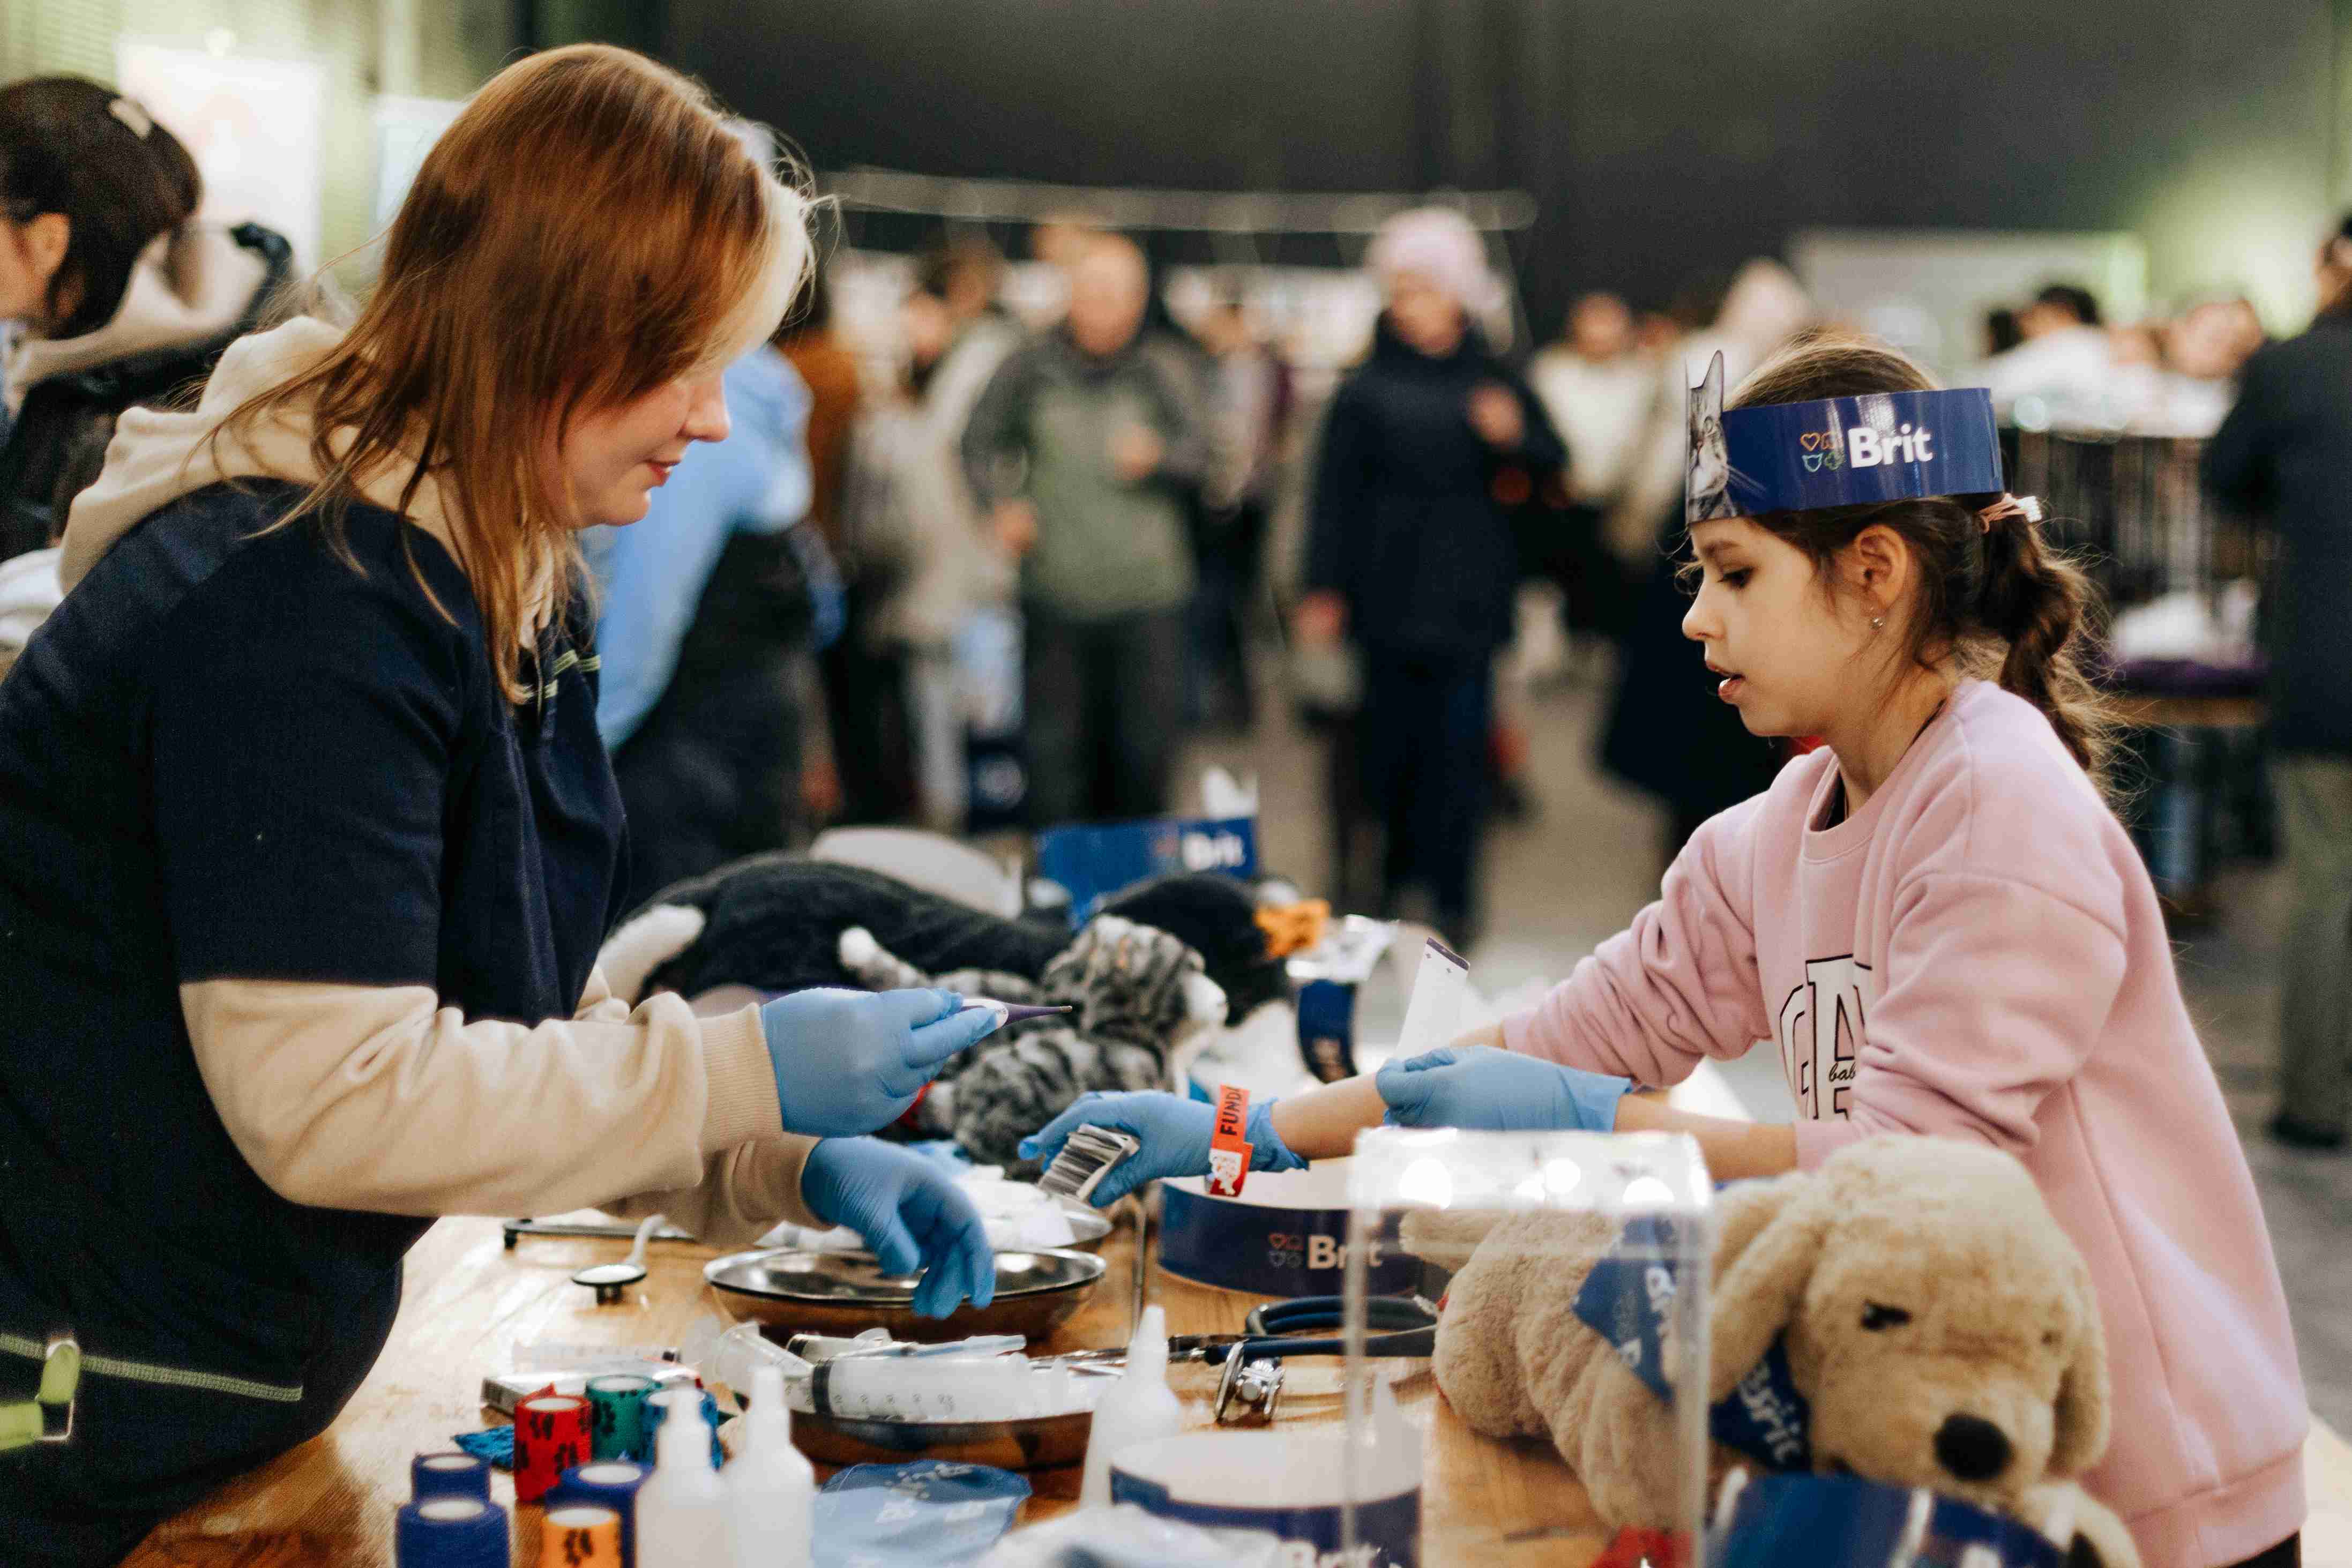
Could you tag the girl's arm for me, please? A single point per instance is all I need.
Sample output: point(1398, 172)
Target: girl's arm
point(1679, 985)
point(1322, 1124)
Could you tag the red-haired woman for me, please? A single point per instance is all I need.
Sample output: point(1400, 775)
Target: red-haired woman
point(307, 840)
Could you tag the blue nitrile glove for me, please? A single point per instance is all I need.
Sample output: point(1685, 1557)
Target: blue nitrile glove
point(1174, 1131)
point(848, 1062)
point(911, 1214)
point(1499, 1091)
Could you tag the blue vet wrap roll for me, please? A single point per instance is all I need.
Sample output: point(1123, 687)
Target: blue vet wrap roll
point(450, 1532)
point(448, 1475)
point(606, 1483)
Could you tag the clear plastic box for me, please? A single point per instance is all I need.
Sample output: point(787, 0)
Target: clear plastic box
point(1572, 1268)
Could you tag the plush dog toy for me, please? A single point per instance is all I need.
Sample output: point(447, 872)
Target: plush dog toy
point(1165, 959)
point(1939, 1328)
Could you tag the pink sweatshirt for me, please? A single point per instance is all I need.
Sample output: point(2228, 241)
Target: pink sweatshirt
point(1979, 952)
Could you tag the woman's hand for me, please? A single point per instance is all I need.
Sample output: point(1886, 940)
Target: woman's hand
point(848, 1062)
point(911, 1215)
point(1495, 414)
point(1016, 525)
point(1320, 616)
point(1173, 1130)
point(1499, 1091)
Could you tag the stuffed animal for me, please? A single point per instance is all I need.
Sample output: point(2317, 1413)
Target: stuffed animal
point(1164, 959)
point(1940, 1327)
point(1137, 994)
point(773, 923)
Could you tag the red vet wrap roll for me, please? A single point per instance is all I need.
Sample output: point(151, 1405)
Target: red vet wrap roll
point(1229, 1145)
point(550, 1437)
point(580, 1535)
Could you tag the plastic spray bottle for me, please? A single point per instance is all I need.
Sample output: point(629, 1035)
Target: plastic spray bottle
point(770, 1489)
point(1137, 1408)
point(682, 1509)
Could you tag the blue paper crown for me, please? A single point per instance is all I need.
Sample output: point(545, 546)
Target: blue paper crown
point(1838, 451)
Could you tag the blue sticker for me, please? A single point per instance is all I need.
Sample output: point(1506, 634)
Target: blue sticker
point(1627, 1298)
point(1094, 860)
point(1837, 451)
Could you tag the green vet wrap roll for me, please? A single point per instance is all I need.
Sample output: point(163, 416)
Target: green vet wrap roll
point(617, 1428)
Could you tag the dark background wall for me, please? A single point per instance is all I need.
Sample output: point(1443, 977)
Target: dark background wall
point(1662, 139)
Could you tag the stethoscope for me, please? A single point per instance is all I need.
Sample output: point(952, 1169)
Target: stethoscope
point(1251, 1381)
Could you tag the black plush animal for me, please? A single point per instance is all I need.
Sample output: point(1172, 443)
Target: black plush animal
point(776, 923)
point(773, 923)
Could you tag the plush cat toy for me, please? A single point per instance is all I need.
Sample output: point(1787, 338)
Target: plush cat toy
point(1137, 994)
point(1180, 953)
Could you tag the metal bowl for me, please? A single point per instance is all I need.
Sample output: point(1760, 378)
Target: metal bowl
point(1037, 1444)
point(846, 1293)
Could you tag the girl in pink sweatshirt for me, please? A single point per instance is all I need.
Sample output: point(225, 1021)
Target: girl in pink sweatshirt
point(1935, 919)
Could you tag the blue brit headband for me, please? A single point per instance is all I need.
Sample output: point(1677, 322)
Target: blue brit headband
point(1839, 451)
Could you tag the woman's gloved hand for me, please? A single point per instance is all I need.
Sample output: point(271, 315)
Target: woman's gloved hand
point(910, 1212)
point(1497, 1091)
point(848, 1062)
point(1173, 1130)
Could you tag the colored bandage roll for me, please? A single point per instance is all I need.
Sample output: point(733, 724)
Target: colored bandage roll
point(448, 1475)
point(700, 1402)
point(616, 1413)
point(450, 1532)
point(580, 1535)
point(550, 1437)
point(607, 1483)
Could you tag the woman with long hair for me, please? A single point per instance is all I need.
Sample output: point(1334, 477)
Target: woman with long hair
point(307, 840)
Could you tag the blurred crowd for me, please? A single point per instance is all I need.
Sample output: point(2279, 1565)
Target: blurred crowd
point(980, 567)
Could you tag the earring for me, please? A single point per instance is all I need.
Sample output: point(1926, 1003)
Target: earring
point(1878, 623)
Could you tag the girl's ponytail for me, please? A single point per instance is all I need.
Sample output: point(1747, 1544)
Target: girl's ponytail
point(2038, 602)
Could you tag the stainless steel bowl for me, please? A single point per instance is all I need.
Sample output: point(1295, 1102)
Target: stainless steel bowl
point(846, 1293)
point(1037, 1444)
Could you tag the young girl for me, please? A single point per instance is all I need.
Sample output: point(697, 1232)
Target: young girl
point(307, 840)
point(1936, 918)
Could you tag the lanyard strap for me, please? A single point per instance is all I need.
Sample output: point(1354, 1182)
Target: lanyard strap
point(47, 1416)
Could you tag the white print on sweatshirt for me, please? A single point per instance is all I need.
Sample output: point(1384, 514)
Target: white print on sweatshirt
point(1822, 1024)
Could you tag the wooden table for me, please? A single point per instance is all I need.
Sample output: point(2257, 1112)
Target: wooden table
point(469, 1302)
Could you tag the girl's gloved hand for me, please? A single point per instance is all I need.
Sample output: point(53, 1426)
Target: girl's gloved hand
point(911, 1215)
point(1174, 1131)
point(848, 1062)
point(1497, 1091)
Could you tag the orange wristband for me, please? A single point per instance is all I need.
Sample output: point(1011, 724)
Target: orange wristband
point(1229, 1146)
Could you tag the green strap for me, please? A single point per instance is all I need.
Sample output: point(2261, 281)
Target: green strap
point(147, 1372)
point(23, 1425)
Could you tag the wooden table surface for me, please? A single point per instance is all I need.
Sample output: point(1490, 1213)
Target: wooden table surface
point(469, 1302)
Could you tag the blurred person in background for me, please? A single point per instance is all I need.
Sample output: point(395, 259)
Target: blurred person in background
point(708, 610)
point(2205, 347)
point(1667, 733)
point(2064, 368)
point(118, 297)
point(866, 776)
point(1084, 447)
point(1412, 554)
point(1250, 399)
point(1599, 388)
point(929, 551)
point(2286, 450)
